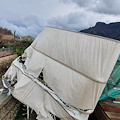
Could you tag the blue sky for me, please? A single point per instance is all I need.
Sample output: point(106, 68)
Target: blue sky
point(29, 17)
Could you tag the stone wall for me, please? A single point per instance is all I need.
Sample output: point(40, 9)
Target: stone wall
point(9, 108)
point(7, 58)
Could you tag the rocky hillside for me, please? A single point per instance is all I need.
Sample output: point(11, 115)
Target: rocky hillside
point(4, 31)
point(111, 30)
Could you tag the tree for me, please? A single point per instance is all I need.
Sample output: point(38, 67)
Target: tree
point(14, 34)
point(0, 36)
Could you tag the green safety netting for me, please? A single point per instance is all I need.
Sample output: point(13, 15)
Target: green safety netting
point(112, 88)
point(119, 58)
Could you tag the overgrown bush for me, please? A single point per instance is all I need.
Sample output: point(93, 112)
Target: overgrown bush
point(19, 50)
point(2, 44)
point(9, 45)
point(6, 45)
point(27, 41)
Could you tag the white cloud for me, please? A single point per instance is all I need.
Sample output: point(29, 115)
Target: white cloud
point(100, 6)
point(80, 20)
point(12, 27)
point(29, 25)
point(26, 17)
point(107, 7)
point(29, 17)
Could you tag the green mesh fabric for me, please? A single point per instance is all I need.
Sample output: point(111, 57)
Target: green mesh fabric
point(112, 88)
point(119, 58)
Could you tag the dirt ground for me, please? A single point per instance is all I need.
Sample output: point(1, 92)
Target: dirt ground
point(8, 57)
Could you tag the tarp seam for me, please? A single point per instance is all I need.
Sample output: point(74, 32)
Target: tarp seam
point(47, 92)
point(90, 78)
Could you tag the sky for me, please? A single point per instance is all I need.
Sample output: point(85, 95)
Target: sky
point(30, 17)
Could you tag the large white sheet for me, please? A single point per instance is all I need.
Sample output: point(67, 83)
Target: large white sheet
point(93, 57)
point(33, 93)
point(75, 66)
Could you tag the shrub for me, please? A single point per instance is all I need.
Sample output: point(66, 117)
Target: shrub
point(27, 41)
point(6, 45)
point(19, 51)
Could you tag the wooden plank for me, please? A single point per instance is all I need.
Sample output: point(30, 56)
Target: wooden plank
point(114, 119)
point(113, 115)
point(100, 114)
point(110, 104)
point(111, 109)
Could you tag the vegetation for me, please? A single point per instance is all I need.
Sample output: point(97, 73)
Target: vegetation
point(27, 41)
point(22, 113)
point(5, 31)
point(19, 45)
point(6, 45)
point(1, 44)
point(19, 50)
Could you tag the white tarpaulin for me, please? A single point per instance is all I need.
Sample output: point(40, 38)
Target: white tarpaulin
point(75, 66)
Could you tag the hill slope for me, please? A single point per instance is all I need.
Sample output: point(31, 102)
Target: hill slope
point(4, 31)
point(111, 30)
